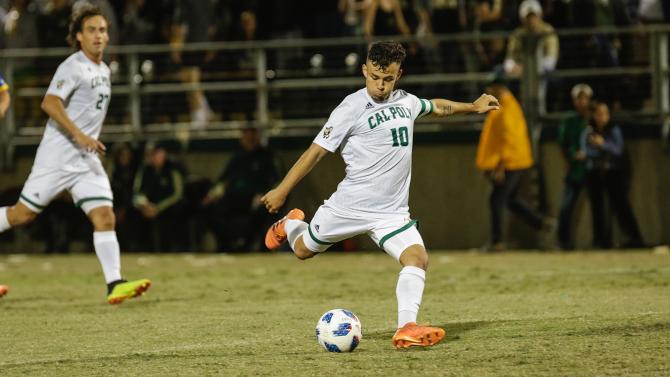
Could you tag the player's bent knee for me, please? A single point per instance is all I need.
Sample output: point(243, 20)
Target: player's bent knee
point(20, 215)
point(415, 255)
point(102, 218)
point(301, 251)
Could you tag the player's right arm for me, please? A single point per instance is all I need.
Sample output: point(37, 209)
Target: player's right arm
point(53, 106)
point(275, 198)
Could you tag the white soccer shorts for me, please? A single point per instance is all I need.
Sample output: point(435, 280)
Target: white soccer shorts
point(393, 234)
point(88, 189)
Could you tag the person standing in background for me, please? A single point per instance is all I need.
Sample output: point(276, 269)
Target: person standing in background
point(569, 138)
point(504, 154)
point(602, 143)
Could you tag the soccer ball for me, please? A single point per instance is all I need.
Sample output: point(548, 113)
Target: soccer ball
point(339, 330)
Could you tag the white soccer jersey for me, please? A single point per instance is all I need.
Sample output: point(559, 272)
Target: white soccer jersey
point(85, 89)
point(375, 140)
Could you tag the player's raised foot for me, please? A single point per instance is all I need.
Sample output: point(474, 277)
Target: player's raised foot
point(414, 335)
point(276, 235)
point(128, 289)
point(3, 290)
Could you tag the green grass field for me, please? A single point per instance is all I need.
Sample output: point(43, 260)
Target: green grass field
point(515, 314)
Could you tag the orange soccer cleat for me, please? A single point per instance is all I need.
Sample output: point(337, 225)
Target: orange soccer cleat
point(276, 235)
point(3, 290)
point(414, 335)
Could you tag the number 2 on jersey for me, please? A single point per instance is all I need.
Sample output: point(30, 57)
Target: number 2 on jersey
point(101, 101)
point(400, 136)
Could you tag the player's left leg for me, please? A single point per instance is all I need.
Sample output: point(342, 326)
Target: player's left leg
point(406, 245)
point(93, 194)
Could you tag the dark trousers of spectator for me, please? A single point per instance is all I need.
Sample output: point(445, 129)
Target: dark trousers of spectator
point(611, 183)
point(570, 196)
point(506, 194)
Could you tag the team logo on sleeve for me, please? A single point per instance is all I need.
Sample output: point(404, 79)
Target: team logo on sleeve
point(59, 84)
point(327, 131)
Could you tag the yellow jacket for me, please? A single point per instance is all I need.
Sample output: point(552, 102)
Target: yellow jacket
point(504, 138)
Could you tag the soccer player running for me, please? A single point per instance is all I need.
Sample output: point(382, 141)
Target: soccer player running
point(67, 157)
point(373, 128)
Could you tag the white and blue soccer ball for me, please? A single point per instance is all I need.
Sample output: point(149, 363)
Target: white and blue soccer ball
point(339, 330)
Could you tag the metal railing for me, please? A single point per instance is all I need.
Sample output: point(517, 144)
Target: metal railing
point(266, 79)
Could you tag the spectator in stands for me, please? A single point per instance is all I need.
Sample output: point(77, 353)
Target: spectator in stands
point(489, 17)
point(504, 154)
point(193, 23)
point(543, 41)
point(139, 23)
point(444, 17)
point(353, 13)
point(52, 23)
point(651, 11)
point(569, 138)
point(234, 208)
point(157, 194)
point(384, 18)
point(602, 142)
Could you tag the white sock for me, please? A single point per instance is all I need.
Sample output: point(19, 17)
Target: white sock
point(107, 248)
point(4, 221)
point(409, 292)
point(294, 229)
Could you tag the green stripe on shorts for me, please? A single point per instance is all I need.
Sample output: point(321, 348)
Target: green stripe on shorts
point(404, 228)
point(31, 202)
point(309, 228)
point(82, 201)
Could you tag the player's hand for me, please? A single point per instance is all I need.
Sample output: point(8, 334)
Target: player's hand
point(89, 144)
point(273, 200)
point(486, 103)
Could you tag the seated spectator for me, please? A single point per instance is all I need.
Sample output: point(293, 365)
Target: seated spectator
point(384, 18)
point(489, 17)
point(602, 142)
point(234, 211)
point(569, 138)
point(157, 195)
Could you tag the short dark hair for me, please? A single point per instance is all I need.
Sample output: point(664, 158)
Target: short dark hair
point(383, 54)
point(77, 19)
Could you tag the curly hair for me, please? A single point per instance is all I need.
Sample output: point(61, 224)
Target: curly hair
point(81, 14)
point(383, 54)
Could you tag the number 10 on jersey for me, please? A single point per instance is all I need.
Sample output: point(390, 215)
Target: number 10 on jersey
point(400, 137)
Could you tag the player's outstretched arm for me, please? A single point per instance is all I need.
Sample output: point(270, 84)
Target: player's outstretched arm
point(483, 104)
point(53, 106)
point(275, 198)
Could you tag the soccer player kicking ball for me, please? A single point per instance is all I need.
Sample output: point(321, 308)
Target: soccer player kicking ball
point(67, 158)
point(373, 128)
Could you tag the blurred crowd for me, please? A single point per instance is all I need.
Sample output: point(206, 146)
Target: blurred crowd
point(43, 23)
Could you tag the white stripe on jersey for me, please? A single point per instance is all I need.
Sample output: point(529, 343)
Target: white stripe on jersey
point(85, 89)
point(375, 140)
